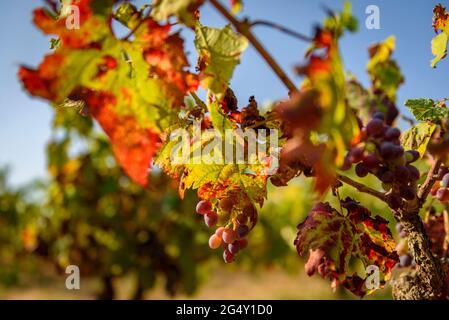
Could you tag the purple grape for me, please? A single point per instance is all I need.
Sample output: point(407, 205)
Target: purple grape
point(392, 134)
point(347, 164)
point(242, 230)
point(392, 111)
point(387, 150)
point(387, 177)
point(228, 257)
point(390, 151)
point(234, 247)
point(402, 174)
point(443, 195)
point(361, 170)
point(394, 201)
point(211, 219)
point(413, 172)
point(371, 161)
point(405, 261)
point(379, 115)
point(375, 127)
point(442, 172)
point(408, 193)
point(399, 151)
point(355, 155)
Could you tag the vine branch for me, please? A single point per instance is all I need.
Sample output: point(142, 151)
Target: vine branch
point(362, 188)
point(424, 190)
point(281, 28)
point(244, 29)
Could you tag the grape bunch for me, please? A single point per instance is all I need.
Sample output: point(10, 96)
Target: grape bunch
point(380, 153)
point(440, 189)
point(405, 258)
point(232, 236)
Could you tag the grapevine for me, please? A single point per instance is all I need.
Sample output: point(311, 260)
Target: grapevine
point(142, 92)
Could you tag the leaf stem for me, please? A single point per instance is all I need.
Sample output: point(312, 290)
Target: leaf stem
point(281, 28)
point(424, 190)
point(244, 29)
point(362, 188)
point(198, 101)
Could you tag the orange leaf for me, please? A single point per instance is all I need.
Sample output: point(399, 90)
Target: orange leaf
point(134, 147)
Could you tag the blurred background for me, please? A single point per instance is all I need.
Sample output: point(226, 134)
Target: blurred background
point(63, 200)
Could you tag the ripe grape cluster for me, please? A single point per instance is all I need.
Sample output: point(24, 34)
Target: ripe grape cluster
point(441, 187)
point(380, 153)
point(230, 237)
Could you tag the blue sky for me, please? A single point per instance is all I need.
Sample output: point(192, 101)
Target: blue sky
point(25, 122)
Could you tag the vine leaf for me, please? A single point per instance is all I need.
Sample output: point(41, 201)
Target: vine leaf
point(427, 110)
point(219, 53)
point(439, 48)
point(335, 239)
point(132, 88)
point(439, 42)
point(418, 137)
point(184, 10)
point(319, 122)
point(208, 171)
point(220, 122)
point(133, 146)
point(92, 19)
point(384, 71)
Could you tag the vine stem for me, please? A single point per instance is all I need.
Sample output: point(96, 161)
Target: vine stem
point(427, 282)
point(198, 101)
point(424, 190)
point(244, 29)
point(361, 187)
point(281, 28)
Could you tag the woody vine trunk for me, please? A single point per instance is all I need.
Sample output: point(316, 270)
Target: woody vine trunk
point(427, 281)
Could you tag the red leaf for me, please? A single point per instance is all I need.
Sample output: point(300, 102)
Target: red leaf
point(42, 82)
point(134, 147)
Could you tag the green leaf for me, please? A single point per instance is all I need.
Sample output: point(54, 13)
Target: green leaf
point(439, 42)
point(127, 14)
point(212, 176)
point(382, 69)
point(418, 137)
point(219, 120)
point(219, 53)
point(426, 110)
point(339, 22)
point(439, 48)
